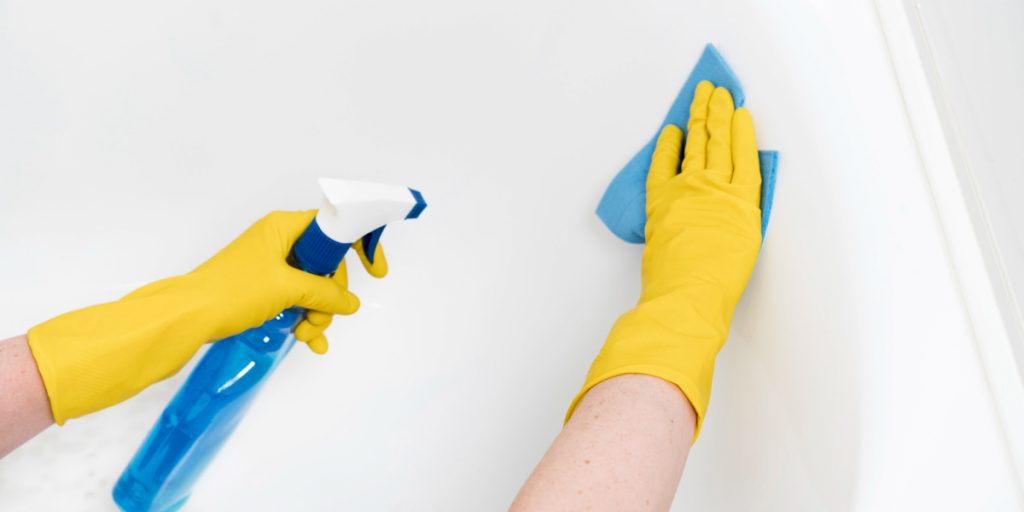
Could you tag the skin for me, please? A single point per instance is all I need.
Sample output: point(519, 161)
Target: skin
point(623, 449)
point(24, 406)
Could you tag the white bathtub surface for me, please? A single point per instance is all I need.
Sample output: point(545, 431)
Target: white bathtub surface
point(850, 381)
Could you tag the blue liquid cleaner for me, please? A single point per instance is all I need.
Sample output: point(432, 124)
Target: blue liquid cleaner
point(202, 415)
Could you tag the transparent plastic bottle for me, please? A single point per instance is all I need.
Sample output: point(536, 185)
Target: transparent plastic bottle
point(213, 400)
point(202, 415)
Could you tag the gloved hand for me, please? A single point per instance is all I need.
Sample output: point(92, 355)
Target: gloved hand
point(98, 356)
point(311, 329)
point(703, 235)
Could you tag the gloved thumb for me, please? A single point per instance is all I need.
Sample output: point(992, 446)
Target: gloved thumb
point(321, 293)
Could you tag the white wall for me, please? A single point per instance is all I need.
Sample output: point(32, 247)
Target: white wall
point(973, 52)
point(136, 139)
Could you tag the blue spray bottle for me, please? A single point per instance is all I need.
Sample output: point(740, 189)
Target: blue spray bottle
point(219, 390)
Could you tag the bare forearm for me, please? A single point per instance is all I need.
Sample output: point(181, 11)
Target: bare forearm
point(623, 449)
point(24, 406)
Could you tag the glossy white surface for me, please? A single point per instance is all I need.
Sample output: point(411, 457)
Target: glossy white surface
point(975, 48)
point(137, 139)
point(971, 50)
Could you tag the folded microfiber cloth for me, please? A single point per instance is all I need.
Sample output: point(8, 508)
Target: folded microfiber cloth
point(623, 209)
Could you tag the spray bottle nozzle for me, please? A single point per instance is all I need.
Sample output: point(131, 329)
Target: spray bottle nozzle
point(353, 210)
point(420, 205)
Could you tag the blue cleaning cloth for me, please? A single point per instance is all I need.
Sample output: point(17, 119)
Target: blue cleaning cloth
point(623, 207)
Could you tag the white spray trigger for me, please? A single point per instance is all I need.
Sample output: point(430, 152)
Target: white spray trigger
point(352, 209)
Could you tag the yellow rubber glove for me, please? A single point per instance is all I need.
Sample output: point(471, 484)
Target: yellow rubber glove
point(312, 328)
point(703, 235)
point(101, 355)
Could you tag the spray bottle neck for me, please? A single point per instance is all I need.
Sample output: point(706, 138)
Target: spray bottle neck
point(317, 253)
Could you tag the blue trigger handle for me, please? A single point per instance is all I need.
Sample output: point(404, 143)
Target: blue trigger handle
point(370, 242)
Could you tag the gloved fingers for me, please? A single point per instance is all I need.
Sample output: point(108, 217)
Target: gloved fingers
point(719, 149)
point(340, 276)
point(318, 344)
point(696, 130)
point(320, 293)
point(311, 330)
point(379, 267)
point(306, 331)
point(746, 165)
point(319, 318)
point(665, 161)
point(288, 224)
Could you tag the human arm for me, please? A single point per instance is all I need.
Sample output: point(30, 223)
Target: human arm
point(623, 449)
point(654, 372)
point(24, 408)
